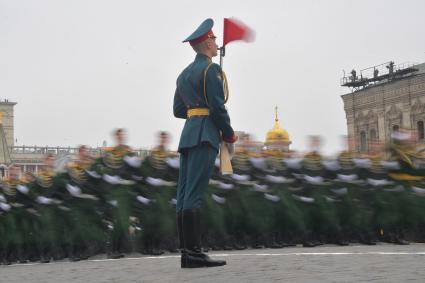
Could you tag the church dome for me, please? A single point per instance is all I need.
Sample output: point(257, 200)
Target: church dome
point(277, 135)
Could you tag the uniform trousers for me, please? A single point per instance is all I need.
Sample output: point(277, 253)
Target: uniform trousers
point(196, 167)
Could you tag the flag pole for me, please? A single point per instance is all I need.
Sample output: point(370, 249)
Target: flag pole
point(222, 53)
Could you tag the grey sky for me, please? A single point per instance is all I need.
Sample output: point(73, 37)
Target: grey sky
point(80, 68)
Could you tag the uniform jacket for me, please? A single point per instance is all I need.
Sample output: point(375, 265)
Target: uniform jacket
point(190, 94)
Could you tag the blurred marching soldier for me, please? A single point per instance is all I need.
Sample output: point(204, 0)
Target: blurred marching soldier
point(286, 181)
point(297, 201)
point(418, 197)
point(199, 98)
point(215, 213)
point(250, 196)
point(157, 195)
point(359, 197)
point(19, 235)
point(116, 173)
point(86, 229)
point(46, 188)
point(406, 175)
point(4, 231)
point(168, 190)
point(314, 185)
point(373, 213)
point(277, 182)
point(236, 189)
point(7, 230)
point(345, 184)
point(227, 200)
point(249, 175)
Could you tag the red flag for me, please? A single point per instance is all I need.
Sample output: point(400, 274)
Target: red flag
point(236, 30)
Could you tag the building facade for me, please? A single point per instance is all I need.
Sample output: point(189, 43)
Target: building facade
point(375, 110)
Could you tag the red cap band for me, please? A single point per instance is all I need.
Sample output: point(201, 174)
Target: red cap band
point(204, 37)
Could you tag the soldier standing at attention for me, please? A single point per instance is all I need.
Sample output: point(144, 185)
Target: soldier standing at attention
point(199, 98)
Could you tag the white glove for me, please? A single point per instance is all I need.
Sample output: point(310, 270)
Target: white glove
point(272, 198)
point(94, 174)
point(143, 200)
point(133, 161)
point(218, 199)
point(73, 190)
point(114, 180)
point(22, 189)
point(5, 206)
point(173, 162)
point(44, 200)
point(158, 182)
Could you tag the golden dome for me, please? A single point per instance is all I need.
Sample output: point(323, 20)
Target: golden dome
point(277, 135)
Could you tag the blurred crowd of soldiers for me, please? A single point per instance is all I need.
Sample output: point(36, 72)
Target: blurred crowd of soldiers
point(118, 202)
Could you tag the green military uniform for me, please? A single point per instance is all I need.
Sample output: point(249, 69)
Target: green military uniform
point(52, 236)
point(87, 229)
point(117, 185)
point(156, 202)
point(316, 210)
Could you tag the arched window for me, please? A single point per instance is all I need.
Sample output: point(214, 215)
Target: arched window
point(372, 135)
point(396, 128)
point(363, 142)
point(420, 126)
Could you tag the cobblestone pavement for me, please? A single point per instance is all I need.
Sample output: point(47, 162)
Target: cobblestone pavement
point(381, 263)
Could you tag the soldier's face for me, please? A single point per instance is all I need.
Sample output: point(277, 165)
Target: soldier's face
point(49, 161)
point(121, 138)
point(163, 140)
point(14, 172)
point(212, 45)
point(84, 153)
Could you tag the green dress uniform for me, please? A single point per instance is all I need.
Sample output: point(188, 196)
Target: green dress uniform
point(345, 187)
point(406, 176)
point(87, 231)
point(316, 208)
point(275, 178)
point(21, 198)
point(199, 98)
point(215, 211)
point(117, 185)
point(376, 206)
point(258, 209)
point(154, 203)
point(17, 224)
point(51, 236)
point(298, 201)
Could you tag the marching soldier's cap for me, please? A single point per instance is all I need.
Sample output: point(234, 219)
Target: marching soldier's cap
point(203, 32)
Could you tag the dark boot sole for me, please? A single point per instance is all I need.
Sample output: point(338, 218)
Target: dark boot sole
point(200, 265)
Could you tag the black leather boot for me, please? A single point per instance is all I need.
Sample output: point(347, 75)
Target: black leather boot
point(193, 257)
point(72, 253)
point(181, 239)
point(307, 241)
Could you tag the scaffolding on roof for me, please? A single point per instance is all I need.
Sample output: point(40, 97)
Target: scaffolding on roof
point(384, 72)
